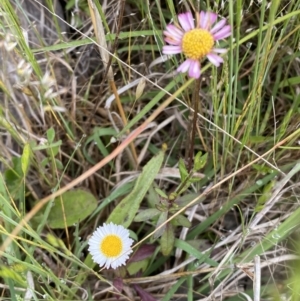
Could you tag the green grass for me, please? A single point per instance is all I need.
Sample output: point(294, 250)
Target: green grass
point(239, 200)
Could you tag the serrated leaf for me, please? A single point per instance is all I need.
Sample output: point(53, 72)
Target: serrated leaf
point(50, 135)
point(181, 220)
point(126, 210)
point(167, 240)
point(70, 208)
point(200, 161)
point(162, 218)
point(146, 215)
point(182, 170)
point(25, 158)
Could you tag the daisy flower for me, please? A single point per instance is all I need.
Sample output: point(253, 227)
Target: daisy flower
point(110, 245)
point(196, 40)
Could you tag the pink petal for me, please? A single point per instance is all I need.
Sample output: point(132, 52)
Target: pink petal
point(218, 26)
point(172, 41)
point(215, 59)
point(201, 19)
point(213, 18)
point(194, 70)
point(208, 20)
point(173, 31)
point(204, 17)
point(223, 33)
point(170, 49)
point(186, 21)
point(184, 67)
point(219, 50)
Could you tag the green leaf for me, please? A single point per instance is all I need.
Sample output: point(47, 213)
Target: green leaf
point(15, 173)
point(152, 197)
point(185, 246)
point(194, 180)
point(25, 158)
point(18, 267)
point(58, 164)
point(126, 210)
point(161, 193)
point(138, 266)
point(182, 170)
point(186, 199)
point(70, 208)
point(181, 220)
point(184, 188)
point(292, 81)
point(53, 150)
point(263, 169)
point(57, 243)
point(162, 218)
point(100, 138)
point(146, 215)
point(167, 240)
point(50, 135)
point(267, 192)
point(47, 146)
point(8, 273)
point(44, 162)
point(54, 241)
point(200, 161)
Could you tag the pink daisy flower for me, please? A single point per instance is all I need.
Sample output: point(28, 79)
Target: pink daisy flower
point(196, 41)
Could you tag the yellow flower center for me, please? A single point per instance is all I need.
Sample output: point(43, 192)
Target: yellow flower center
point(111, 246)
point(197, 43)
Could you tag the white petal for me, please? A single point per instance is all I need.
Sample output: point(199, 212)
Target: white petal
point(97, 238)
point(219, 50)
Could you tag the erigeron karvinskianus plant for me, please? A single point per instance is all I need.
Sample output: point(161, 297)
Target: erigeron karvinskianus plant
point(196, 40)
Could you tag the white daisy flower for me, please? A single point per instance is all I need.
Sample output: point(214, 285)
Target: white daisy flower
point(110, 245)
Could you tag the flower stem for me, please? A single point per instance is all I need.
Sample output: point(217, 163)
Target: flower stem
point(189, 155)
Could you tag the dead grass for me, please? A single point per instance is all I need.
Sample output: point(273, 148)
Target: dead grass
point(60, 132)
